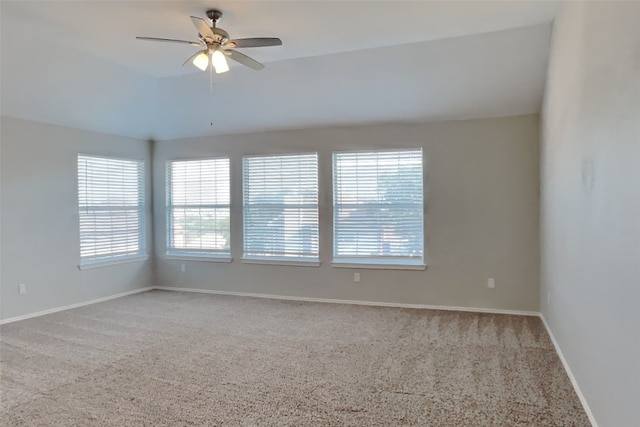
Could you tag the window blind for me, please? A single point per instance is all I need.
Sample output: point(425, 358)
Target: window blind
point(280, 207)
point(111, 208)
point(378, 207)
point(198, 208)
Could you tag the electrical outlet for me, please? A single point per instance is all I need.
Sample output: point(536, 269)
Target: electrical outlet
point(22, 289)
point(183, 268)
point(491, 283)
point(356, 277)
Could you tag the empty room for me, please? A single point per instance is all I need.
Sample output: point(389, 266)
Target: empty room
point(320, 213)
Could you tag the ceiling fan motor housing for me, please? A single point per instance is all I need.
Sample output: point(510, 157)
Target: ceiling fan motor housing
point(220, 34)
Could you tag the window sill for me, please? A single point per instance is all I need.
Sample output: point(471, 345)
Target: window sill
point(203, 258)
point(279, 261)
point(107, 263)
point(378, 265)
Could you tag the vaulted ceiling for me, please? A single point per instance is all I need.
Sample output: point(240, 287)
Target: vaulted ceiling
point(78, 64)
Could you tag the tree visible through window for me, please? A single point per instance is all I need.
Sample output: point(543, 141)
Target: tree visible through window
point(378, 207)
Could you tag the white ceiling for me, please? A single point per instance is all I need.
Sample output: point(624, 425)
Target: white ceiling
point(78, 64)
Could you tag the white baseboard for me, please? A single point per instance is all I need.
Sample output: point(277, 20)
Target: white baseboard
point(354, 302)
point(69, 307)
point(576, 387)
point(279, 297)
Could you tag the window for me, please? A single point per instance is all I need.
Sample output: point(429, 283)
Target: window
point(198, 214)
point(378, 208)
point(280, 205)
point(111, 208)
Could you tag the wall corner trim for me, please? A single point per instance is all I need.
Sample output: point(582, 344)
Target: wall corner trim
point(574, 383)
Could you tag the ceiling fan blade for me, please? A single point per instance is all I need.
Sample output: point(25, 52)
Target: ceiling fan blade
point(256, 42)
point(245, 60)
point(202, 27)
point(156, 39)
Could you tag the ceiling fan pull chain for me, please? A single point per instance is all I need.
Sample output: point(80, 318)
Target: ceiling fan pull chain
point(211, 79)
point(211, 83)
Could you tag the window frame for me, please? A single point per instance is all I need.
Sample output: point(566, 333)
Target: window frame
point(379, 262)
point(141, 255)
point(195, 254)
point(281, 259)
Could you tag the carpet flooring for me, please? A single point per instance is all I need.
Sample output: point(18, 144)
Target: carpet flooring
point(180, 359)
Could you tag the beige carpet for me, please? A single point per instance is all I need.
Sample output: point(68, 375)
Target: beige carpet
point(180, 359)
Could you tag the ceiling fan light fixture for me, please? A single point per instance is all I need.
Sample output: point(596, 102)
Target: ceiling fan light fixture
point(201, 61)
point(219, 62)
point(217, 45)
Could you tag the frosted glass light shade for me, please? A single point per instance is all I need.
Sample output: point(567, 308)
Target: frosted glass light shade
point(201, 61)
point(219, 62)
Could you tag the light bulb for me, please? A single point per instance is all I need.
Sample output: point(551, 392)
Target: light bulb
point(201, 61)
point(219, 62)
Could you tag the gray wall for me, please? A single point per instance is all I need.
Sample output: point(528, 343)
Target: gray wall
point(482, 215)
point(590, 233)
point(39, 223)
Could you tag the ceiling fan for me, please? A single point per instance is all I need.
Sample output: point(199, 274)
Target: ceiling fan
point(218, 46)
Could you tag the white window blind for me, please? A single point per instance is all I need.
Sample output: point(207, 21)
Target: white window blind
point(111, 208)
point(378, 207)
point(198, 214)
point(280, 207)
